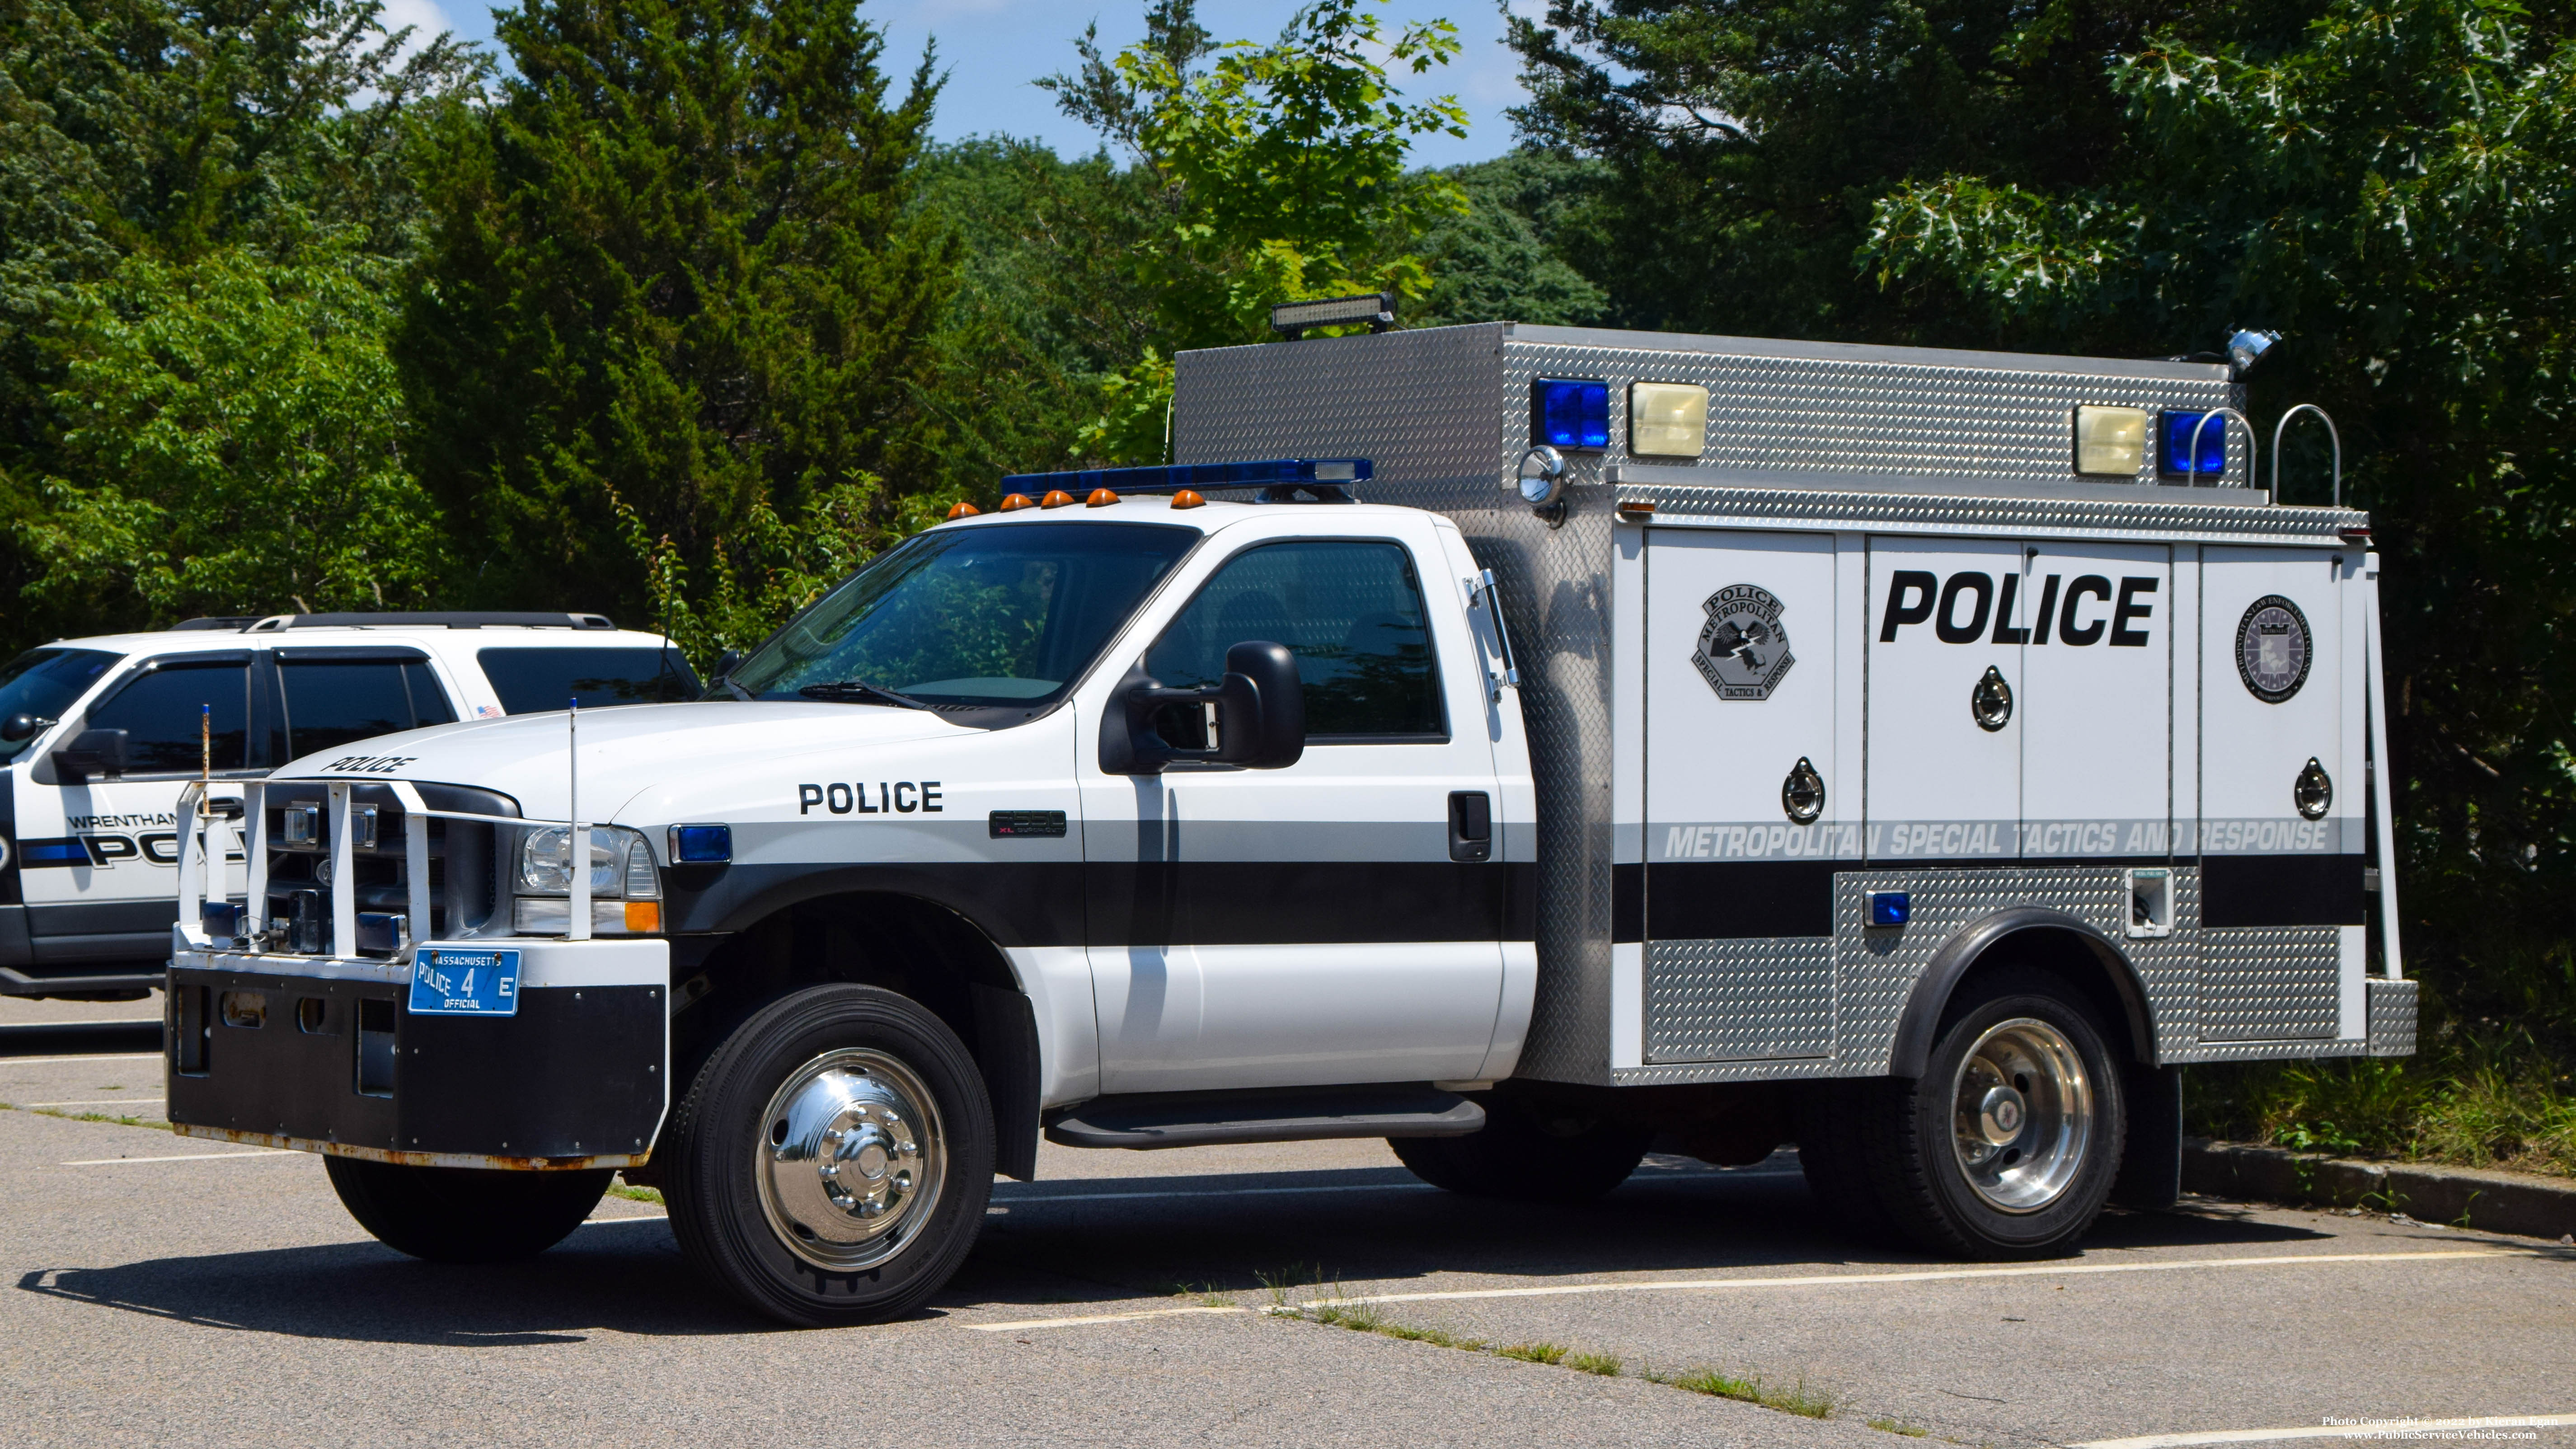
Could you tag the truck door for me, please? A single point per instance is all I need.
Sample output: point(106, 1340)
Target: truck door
point(1945, 742)
point(1739, 858)
point(98, 856)
point(2096, 762)
point(2281, 788)
point(1312, 924)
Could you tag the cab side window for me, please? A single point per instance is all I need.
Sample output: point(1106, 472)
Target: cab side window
point(1352, 613)
point(330, 702)
point(161, 714)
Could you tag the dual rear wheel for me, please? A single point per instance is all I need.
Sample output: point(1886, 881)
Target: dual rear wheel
point(2006, 1147)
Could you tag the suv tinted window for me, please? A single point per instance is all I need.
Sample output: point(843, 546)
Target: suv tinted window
point(159, 713)
point(42, 683)
point(1351, 613)
point(330, 702)
point(529, 680)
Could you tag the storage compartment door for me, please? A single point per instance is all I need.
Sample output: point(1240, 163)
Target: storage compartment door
point(1945, 686)
point(2280, 804)
point(1747, 808)
point(2096, 763)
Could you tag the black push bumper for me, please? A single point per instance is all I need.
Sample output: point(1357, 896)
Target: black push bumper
point(579, 1077)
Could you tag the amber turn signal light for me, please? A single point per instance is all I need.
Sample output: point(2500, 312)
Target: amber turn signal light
point(1100, 498)
point(1188, 498)
point(1056, 498)
point(964, 510)
point(643, 915)
point(1018, 501)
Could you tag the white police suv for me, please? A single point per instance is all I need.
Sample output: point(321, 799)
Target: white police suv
point(98, 735)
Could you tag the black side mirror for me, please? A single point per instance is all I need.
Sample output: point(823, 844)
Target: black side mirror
point(19, 726)
point(726, 662)
point(91, 752)
point(1260, 715)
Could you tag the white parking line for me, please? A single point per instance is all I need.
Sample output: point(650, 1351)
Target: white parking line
point(1027, 1323)
point(8, 1062)
point(2362, 1429)
point(107, 1102)
point(178, 1157)
point(1936, 1275)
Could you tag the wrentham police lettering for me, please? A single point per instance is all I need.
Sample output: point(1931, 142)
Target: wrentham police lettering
point(1959, 608)
point(900, 797)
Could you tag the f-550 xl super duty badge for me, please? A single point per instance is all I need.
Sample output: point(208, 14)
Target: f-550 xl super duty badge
point(1743, 651)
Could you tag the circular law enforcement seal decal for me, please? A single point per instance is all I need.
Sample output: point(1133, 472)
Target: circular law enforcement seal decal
point(1743, 652)
point(2273, 649)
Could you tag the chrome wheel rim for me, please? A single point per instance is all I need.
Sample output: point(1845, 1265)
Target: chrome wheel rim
point(2022, 1115)
point(850, 1160)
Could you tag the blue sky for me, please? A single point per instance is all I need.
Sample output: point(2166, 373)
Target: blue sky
point(993, 49)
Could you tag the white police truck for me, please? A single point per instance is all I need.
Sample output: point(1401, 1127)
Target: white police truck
point(98, 736)
point(1555, 742)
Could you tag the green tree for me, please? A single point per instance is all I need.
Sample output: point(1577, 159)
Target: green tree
point(194, 200)
point(1505, 259)
point(2392, 192)
point(1279, 173)
point(677, 291)
point(240, 427)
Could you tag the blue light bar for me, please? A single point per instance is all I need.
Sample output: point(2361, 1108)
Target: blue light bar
point(1177, 476)
point(2173, 440)
point(1568, 413)
point(701, 844)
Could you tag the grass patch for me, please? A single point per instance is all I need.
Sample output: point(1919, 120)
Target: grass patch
point(1606, 1365)
point(121, 1121)
point(1899, 1426)
point(1797, 1398)
point(1534, 1352)
point(1288, 1280)
point(2463, 1103)
point(620, 1187)
point(1204, 1295)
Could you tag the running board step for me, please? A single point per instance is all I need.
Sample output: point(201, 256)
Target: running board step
point(1299, 1114)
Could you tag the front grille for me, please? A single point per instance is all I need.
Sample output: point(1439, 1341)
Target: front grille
point(465, 859)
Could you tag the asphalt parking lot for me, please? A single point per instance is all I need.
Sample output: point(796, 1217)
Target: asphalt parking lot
point(176, 1292)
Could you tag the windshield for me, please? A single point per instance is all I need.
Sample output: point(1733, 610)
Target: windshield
point(998, 615)
point(41, 684)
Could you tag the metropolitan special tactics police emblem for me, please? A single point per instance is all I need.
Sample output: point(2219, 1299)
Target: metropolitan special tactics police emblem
point(1743, 651)
point(2273, 649)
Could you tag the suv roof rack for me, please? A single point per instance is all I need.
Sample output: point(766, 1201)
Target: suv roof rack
point(219, 623)
point(275, 622)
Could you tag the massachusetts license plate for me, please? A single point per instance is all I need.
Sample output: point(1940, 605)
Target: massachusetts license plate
point(453, 982)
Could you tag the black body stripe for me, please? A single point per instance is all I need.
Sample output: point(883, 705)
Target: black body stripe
point(2282, 890)
point(1627, 904)
point(1700, 900)
point(1118, 903)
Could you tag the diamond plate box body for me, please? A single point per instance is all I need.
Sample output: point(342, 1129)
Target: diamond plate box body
point(1799, 435)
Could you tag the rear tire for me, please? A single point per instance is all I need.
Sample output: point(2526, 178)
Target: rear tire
point(831, 1163)
point(465, 1214)
point(2008, 1144)
point(1529, 1153)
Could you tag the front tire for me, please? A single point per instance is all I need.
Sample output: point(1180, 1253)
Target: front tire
point(1529, 1152)
point(465, 1214)
point(831, 1163)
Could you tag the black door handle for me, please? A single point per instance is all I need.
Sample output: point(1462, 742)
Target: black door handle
point(1471, 825)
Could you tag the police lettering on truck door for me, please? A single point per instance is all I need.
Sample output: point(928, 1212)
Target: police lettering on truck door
point(2020, 702)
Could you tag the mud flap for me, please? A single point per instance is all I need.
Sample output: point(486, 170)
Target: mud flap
point(2151, 1165)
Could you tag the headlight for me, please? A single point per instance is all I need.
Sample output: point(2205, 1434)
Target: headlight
point(621, 865)
point(625, 888)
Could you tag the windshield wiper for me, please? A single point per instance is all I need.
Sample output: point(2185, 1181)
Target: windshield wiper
point(851, 691)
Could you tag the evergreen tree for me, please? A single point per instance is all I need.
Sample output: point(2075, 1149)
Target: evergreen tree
point(669, 354)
